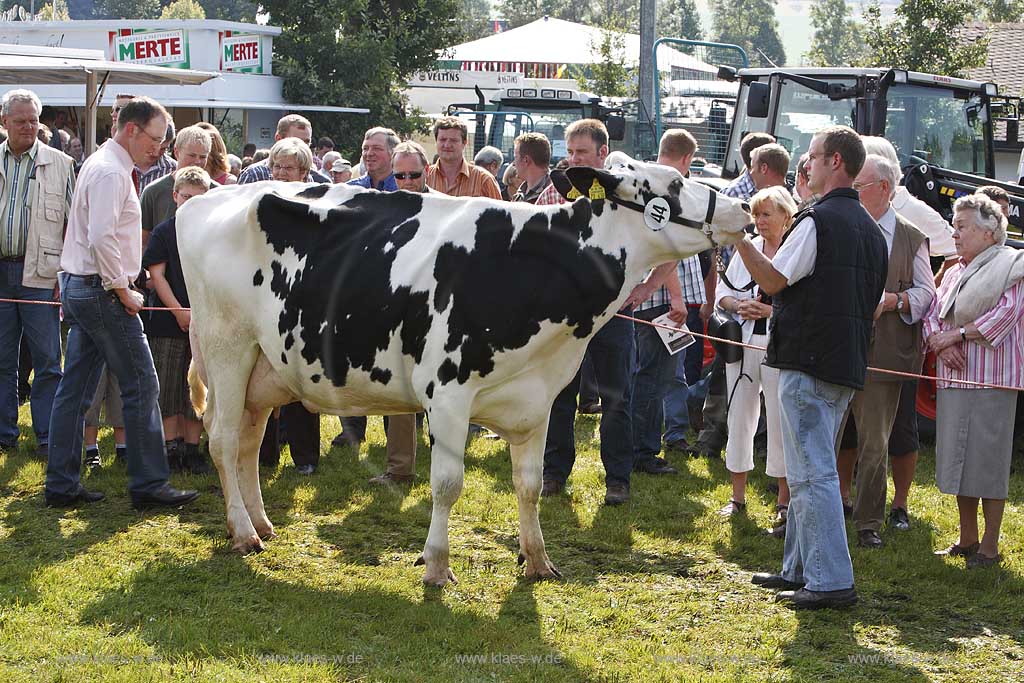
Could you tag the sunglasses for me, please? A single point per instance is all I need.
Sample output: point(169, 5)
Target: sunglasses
point(408, 176)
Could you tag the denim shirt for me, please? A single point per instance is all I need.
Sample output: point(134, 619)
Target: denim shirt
point(386, 185)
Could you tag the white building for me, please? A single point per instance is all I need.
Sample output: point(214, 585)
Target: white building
point(245, 100)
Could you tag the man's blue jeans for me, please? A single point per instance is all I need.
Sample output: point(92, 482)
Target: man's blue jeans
point(686, 385)
point(655, 370)
point(101, 331)
point(611, 351)
point(816, 551)
point(38, 326)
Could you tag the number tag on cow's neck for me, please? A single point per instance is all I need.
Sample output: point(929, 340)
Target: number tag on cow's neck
point(657, 213)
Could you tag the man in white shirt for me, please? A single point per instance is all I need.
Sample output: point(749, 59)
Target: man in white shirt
point(102, 256)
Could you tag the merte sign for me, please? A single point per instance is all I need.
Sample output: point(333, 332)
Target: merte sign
point(158, 48)
point(240, 52)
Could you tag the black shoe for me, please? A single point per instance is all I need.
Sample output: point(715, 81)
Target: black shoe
point(165, 496)
point(551, 488)
point(174, 457)
point(869, 538)
point(121, 455)
point(193, 460)
point(805, 599)
point(345, 439)
point(680, 446)
point(778, 528)
point(305, 469)
point(616, 495)
point(655, 466)
point(590, 408)
point(732, 508)
point(92, 460)
point(899, 519)
point(64, 500)
point(775, 582)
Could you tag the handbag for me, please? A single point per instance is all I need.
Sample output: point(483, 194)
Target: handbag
point(723, 326)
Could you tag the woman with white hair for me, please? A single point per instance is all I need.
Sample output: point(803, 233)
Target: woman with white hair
point(923, 217)
point(290, 160)
point(976, 326)
point(747, 378)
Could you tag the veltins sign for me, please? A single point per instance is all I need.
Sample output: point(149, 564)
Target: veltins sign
point(146, 46)
point(240, 53)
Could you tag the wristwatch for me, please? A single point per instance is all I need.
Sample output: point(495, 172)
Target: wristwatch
point(899, 303)
point(963, 334)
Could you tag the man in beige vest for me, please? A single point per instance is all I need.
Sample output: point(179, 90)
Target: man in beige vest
point(896, 345)
point(36, 184)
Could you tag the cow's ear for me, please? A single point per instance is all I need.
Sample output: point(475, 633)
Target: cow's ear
point(594, 183)
point(563, 185)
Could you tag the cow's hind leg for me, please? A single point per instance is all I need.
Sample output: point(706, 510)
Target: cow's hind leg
point(448, 433)
point(229, 376)
point(250, 436)
point(527, 473)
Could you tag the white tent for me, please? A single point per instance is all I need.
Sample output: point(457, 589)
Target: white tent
point(555, 41)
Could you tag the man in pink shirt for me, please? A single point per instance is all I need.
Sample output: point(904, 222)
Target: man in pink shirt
point(102, 256)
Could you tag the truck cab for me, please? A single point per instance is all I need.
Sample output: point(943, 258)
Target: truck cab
point(942, 127)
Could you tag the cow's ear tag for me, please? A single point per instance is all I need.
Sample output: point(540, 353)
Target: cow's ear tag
point(596, 190)
point(657, 213)
point(573, 194)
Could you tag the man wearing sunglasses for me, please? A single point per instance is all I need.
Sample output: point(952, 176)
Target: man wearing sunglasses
point(409, 166)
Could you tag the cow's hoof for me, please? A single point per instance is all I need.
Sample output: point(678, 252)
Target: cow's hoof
point(541, 569)
point(440, 578)
point(266, 532)
point(245, 546)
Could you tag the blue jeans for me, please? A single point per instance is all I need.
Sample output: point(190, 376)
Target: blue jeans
point(611, 351)
point(686, 385)
point(816, 551)
point(40, 326)
point(101, 331)
point(655, 370)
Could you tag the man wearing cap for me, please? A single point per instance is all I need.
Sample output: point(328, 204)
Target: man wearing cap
point(341, 171)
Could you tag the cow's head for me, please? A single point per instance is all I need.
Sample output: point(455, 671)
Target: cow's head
point(680, 217)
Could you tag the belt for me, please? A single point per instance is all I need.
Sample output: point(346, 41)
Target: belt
point(13, 259)
point(88, 280)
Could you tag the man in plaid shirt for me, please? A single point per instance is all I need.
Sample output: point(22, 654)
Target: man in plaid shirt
point(743, 186)
point(532, 156)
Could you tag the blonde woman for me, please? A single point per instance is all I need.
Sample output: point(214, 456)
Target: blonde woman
point(217, 163)
point(746, 379)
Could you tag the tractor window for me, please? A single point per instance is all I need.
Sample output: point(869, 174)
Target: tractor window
point(802, 112)
point(937, 125)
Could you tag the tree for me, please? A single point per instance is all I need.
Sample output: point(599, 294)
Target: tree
point(125, 9)
point(230, 10)
point(362, 58)
point(751, 24)
point(925, 35)
point(679, 19)
point(54, 11)
point(608, 76)
point(475, 17)
point(997, 11)
point(838, 38)
point(183, 9)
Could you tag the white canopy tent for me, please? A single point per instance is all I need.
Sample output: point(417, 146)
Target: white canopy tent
point(555, 41)
point(24, 66)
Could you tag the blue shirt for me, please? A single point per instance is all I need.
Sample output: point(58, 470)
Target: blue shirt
point(386, 185)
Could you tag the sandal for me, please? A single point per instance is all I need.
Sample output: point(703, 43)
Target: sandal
point(733, 508)
point(960, 551)
point(978, 561)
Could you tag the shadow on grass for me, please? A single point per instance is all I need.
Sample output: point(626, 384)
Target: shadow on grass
point(259, 619)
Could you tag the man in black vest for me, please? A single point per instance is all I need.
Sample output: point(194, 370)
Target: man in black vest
point(826, 281)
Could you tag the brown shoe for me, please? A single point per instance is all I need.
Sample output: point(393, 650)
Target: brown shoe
point(616, 495)
point(551, 488)
point(960, 551)
point(979, 561)
point(391, 478)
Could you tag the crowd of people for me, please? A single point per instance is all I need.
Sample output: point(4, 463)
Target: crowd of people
point(838, 278)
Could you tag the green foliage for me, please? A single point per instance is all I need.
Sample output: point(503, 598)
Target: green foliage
point(997, 11)
point(230, 10)
point(924, 35)
point(126, 9)
point(838, 38)
point(625, 13)
point(362, 58)
point(474, 18)
point(183, 9)
point(751, 24)
point(679, 19)
point(608, 76)
point(54, 11)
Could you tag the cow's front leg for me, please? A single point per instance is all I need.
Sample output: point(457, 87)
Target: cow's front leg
point(527, 472)
point(448, 433)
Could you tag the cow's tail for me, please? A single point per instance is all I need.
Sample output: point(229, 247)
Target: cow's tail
point(196, 389)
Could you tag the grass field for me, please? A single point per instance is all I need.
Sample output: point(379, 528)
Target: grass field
point(657, 590)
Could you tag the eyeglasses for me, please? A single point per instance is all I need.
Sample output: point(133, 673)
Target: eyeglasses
point(408, 176)
point(158, 139)
point(861, 186)
point(284, 169)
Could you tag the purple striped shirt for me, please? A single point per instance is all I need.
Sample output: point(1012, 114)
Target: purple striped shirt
point(996, 359)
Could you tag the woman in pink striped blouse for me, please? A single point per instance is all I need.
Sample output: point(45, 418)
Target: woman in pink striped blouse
point(976, 328)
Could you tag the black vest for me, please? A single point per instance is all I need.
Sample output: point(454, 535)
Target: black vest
point(822, 324)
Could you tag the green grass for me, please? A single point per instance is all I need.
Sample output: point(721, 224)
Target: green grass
point(654, 591)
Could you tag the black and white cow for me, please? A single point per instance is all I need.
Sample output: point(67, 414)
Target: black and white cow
point(366, 303)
